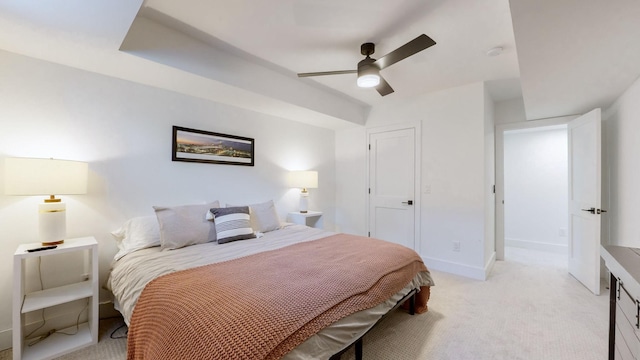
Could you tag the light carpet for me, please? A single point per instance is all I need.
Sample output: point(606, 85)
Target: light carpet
point(529, 308)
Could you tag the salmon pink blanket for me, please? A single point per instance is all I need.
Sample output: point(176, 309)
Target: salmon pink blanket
point(263, 305)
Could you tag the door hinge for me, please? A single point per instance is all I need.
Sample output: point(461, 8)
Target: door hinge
point(369, 190)
point(494, 189)
point(369, 234)
point(369, 146)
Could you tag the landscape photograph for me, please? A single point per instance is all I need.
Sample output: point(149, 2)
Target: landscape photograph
point(200, 146)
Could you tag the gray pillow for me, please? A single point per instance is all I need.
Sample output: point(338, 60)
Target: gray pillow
point(264, 216)
point(185, 225)
point(232, 224)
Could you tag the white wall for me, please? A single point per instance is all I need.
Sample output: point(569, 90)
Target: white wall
point(123, 130)
point(351, 165)
point(621, 195)
point(453, 165)
point(510, 111)
point(535, 189)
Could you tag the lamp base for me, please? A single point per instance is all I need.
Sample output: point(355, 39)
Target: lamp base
point(304, 201)
point(52, 221)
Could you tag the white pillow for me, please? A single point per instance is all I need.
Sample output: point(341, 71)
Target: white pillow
point(136, 234)
point(185, 225)
point(264, 216)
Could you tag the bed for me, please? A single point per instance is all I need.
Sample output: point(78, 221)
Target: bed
point(207, 301)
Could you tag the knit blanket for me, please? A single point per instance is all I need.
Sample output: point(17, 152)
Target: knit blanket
point(263, 305)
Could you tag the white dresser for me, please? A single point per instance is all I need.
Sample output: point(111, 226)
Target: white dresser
point(624, 310)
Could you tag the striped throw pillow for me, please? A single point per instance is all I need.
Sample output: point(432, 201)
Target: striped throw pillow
point(232, 224)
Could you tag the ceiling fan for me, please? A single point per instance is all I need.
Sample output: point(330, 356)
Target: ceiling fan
point(369, 69)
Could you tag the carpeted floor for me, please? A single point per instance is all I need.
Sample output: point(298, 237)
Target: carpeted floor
point(529, 308)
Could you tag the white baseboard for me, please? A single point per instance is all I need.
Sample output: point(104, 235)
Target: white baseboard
point(534, 245)
point(473, 272)
point(489, 265)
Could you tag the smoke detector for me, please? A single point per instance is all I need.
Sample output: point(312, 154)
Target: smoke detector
point(495, 51)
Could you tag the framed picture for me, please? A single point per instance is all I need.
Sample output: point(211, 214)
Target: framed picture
point(208, 147)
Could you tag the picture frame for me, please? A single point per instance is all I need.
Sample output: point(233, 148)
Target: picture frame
point(192, 145)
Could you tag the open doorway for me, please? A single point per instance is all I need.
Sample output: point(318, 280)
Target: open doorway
point(535, 196)
point(584, 189)
point(536, 126)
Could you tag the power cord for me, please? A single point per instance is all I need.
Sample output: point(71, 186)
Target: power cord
point(38, 339)
point(52, 331)
point(86, 306)
point(126, 333)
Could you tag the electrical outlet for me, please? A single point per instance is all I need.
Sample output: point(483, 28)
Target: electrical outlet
point(85, 277)
point(426, 189)
point(456, 246)
point(562, 232)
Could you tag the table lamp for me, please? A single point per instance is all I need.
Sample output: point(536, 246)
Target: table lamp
point(30, 176)
point(304, 180)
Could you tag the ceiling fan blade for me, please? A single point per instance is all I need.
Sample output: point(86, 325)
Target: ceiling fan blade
point(322, 73)
point(412, 47)
point(384, 88)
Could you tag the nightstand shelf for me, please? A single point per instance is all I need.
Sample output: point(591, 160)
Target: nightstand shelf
point(56, 296)
point(310, 218)
point(60, 344)
point(56, 344)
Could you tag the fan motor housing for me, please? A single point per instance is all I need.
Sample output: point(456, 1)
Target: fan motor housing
point(366, 62)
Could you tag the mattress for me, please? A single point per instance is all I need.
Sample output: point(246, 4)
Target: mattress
point(130, 275)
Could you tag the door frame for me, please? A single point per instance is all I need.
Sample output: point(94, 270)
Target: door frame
point(499, 161)
point(417, 194)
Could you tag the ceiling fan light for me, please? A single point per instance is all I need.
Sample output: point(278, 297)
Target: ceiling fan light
point(368, 80)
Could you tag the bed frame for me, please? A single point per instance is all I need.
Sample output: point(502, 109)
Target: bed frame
point(411, 297)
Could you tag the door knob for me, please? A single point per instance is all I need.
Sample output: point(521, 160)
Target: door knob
point(591, 210)
point(409, 202)
point(599, 211)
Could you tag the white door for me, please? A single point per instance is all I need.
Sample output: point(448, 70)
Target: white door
point(392, 171)
point(584, 199)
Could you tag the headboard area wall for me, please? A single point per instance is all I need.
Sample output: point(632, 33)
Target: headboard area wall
point(124, 131)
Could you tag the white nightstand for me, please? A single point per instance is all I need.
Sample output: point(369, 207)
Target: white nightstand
point(310, 218)
point(56, 344)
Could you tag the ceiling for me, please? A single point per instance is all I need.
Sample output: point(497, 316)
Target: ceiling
point(311, 35)
point(575, 55)
point(571, 55)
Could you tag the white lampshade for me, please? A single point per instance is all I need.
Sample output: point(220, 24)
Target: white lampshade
point(29, 176)
point(303, 179)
